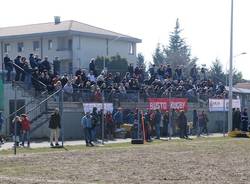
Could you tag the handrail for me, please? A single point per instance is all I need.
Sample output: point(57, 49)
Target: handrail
point(24, 106)
point(44, 85)
point(46, 99)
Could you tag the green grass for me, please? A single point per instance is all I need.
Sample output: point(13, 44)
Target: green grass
point(109, 146)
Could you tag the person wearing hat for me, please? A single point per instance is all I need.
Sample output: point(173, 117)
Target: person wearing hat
point(55, 126)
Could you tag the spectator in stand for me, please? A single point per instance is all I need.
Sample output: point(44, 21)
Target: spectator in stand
point(28, 75)
point(18, 68)
point(8, 64)
point(64, 79)
point(17, 128)
point(33, 61)
point(118, 118)
point(37, 60)
point(178, 73)
point(182, 121)
point(92, 67)
point(169, 71)
point(25, 122)
point(131, 69)
point(158, 119)
point(244, 120)
point(153, 71)
point(68, 91)
point(45, 65)
point(1, 125)
point(55, 126)
point(86, 123)
point(91, 77)
point(161, 72)
point(23, 72)
point(117, 77)
point(194, 73)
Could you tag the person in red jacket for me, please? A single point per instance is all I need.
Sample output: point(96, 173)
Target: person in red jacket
point(25, 122)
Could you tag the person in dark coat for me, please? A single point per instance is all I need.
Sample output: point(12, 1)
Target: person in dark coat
point(95, 123)
point(92, 66)
point(18, 66)
point(236, 119)
point(33, 61)
point(203, 119)
point(45, 65)
point(55, 126)
point(8, 66)
point(182, 120)
point(244, 120)
point(195, 121)
point(157, 120)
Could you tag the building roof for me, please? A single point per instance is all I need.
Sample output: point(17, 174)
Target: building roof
point(239, 90)
point(245, 85)
point(70, 26)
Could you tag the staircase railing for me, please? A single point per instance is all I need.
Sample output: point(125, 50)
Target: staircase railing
point(35, 110)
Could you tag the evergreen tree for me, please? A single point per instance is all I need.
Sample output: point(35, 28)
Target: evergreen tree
point(178, 52)
point(140, 60)
point(158, 56)
point(217, 73)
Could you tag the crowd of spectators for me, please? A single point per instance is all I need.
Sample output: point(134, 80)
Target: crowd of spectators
point(89, 85)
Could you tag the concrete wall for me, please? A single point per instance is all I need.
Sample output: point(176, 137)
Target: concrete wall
point(72, 125)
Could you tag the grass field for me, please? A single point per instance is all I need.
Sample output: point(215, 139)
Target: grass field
point(203, 160)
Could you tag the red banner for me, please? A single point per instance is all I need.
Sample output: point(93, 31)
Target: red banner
point(166, 103)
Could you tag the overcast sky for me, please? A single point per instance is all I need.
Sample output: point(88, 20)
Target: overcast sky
point(205, 23)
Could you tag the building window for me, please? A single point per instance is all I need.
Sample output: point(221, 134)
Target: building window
point(50, 44)
point(131, 48)
point(20, 47)
point(7, 47)
point(36, 46)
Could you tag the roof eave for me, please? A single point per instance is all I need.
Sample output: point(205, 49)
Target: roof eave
point(105, 36)
point(33, 35)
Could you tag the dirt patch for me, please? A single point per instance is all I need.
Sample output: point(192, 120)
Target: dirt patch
point(190, 161)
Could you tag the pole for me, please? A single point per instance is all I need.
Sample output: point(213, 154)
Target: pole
point(143, 126)
point(169, 118)
point(103, 117)
point(61, 114)
point(224, 106)
point(198, 121)
point(231, 72)
point(15, 125)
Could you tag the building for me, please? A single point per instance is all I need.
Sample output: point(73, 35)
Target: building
point(68, 44)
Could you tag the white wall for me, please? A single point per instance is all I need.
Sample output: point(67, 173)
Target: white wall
point(86, 48)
